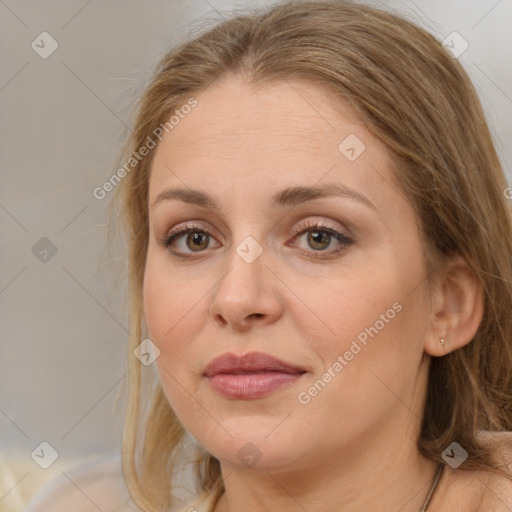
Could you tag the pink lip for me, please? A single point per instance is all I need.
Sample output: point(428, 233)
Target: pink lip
point(252, 375)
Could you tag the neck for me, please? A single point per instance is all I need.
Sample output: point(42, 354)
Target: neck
point(371, 474)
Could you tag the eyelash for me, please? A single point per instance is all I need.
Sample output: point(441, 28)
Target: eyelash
point(301, 230)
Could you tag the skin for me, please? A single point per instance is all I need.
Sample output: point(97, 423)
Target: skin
point(353, 446)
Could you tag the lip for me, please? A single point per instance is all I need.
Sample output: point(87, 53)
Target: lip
point(251, 362)
point(249, 376)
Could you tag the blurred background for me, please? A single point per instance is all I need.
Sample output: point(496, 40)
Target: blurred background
point(70, 72)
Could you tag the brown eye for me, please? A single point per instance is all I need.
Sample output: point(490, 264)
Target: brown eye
point(197, 240)
point(318, 239)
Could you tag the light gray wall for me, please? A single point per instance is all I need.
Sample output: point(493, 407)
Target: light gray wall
point(63, 330)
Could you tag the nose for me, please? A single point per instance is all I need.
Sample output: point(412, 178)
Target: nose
point(247, 295)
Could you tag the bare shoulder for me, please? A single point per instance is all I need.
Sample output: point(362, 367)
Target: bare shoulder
point(497, 494)
point(463, 490)
point(97, 485)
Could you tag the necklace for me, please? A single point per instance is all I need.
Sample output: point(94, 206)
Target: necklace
point(422, 509)
point(433, 488)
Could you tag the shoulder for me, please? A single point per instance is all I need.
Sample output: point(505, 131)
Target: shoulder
point(465, 490)
point(96, 485)
point(497, 495)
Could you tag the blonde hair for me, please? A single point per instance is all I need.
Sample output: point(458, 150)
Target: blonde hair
point(416, 98)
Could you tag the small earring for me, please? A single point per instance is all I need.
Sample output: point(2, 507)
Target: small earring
point(442, 342)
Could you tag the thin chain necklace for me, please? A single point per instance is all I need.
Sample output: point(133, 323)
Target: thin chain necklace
point(422, 509)
point(433, 488)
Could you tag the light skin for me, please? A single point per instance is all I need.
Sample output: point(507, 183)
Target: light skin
point(353, 446)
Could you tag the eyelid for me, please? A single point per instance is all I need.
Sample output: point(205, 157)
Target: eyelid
point(181, 230)
point(318, 224)
point(344, 239)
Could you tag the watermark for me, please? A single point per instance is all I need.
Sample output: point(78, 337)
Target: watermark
point(147, 352)
point(150, 143)
point(454, 455)
point(249, 454)
point(351, 147)
point(44, 455)
point(44, 45)
point(304, 397)
point(44, 250)
point(455, 44)
point(249, 249)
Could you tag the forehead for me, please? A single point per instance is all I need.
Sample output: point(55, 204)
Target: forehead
point(288, 112)
point(285, 133)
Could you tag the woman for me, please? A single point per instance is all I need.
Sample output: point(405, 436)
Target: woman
point(320, 267)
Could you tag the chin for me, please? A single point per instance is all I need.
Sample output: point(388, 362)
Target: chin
point(255, 448)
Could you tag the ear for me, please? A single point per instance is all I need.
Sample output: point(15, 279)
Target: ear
point(457, 308)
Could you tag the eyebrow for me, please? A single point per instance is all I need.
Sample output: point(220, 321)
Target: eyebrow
point(288, 197)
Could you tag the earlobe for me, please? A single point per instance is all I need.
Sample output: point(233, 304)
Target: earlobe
point(437, 345)
point(457, 308)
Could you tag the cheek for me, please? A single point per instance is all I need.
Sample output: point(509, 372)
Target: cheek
point(157, 303)
point(345, 304)
point(166, 298)
point(369, 317)
point(371, 361)
point(172, 311)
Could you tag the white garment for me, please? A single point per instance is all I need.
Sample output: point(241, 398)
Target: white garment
point(97, 485)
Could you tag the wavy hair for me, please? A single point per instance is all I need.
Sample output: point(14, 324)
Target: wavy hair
point(413, 95)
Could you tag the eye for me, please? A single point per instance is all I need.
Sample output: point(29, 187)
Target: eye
point(320, 236)
point(197, 239)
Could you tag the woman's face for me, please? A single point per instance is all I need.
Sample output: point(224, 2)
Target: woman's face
point(330, 282)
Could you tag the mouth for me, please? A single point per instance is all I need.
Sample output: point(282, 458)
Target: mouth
point(248, 386)
point(253, 375)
